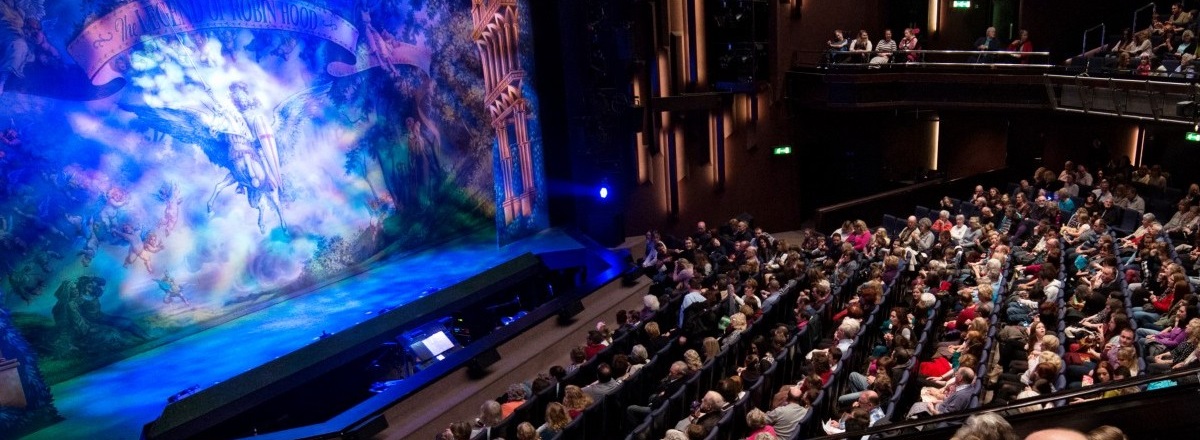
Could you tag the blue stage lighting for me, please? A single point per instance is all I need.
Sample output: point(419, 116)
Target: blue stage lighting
point(604, 192)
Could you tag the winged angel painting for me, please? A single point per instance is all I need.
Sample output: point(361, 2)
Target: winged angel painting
point(238, 135)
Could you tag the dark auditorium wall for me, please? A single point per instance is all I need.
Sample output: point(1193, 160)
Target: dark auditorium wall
point(959, 28)
point(1058, 137)
point(972, 143)
point(757, 181)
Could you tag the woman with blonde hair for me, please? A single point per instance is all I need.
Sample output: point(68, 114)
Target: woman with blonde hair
point(880, 242)
point(1127, 357)
point(557, 419)
point(860, 235)
point(711, 348)
point(693, 361)
point(737, 324)
point(525, 431)
point(575, 400)
point(489, 417)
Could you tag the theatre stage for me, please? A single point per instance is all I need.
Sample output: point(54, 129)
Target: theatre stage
point(114, 402)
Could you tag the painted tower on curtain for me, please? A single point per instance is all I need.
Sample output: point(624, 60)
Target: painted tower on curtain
point(519, 174)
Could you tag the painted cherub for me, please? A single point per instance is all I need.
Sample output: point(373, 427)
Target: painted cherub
point(140, 249)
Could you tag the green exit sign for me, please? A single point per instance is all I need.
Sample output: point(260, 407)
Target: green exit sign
point(1192, 136)
point(960, 4)
point(783, 149)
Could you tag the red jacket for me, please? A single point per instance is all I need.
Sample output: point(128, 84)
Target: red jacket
point(591, 350)
point(1164, 303)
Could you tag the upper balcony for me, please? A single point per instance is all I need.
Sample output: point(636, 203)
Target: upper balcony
point(938, 80)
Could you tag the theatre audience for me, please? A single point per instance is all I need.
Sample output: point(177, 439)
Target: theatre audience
point(1064, 256)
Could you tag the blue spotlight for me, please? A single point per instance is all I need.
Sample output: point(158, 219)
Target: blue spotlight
point(604, 189)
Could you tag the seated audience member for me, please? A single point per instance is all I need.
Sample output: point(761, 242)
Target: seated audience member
point(1185, 47)
point(457, 431)
point(489, 417)
point(1134, 201)
point(1119, 374)
point(650, 305)
point(693, 361)
point(1166, 361)
point(1179, 17)
point(868, 401)
point(885, 48)
point(956, 401)
point(909, 43)
point(516, 397)
point(943, 223)
point(1154, 177)
point(988, 42)
point(654, 339)
point(706, 415)
point(578, 358)
point(605, 383)
point(1102, 192)
point(1167, 44)
point(1021, 44)
point(737, 325)
point(859, 235)
point(623, 324)
point(756, 421)
point(711, 347)
point(557, 419)
point(1141, 46)
point(1182, 223)
point(1143, 235)
point(785, 419)
point(988, 425)
point(525, 431)
point(861, 47)
point(575, 400)
point(837, 47)
point(638, 357)
point(676, 378)
point(731, 389)
point(1170, 329)
point(1056, 434)
point(1107, 432)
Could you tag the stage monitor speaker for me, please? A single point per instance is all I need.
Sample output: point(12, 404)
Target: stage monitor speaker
point(630, 277)
point(483, 360)
point(367, 429)
point(573, 308)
